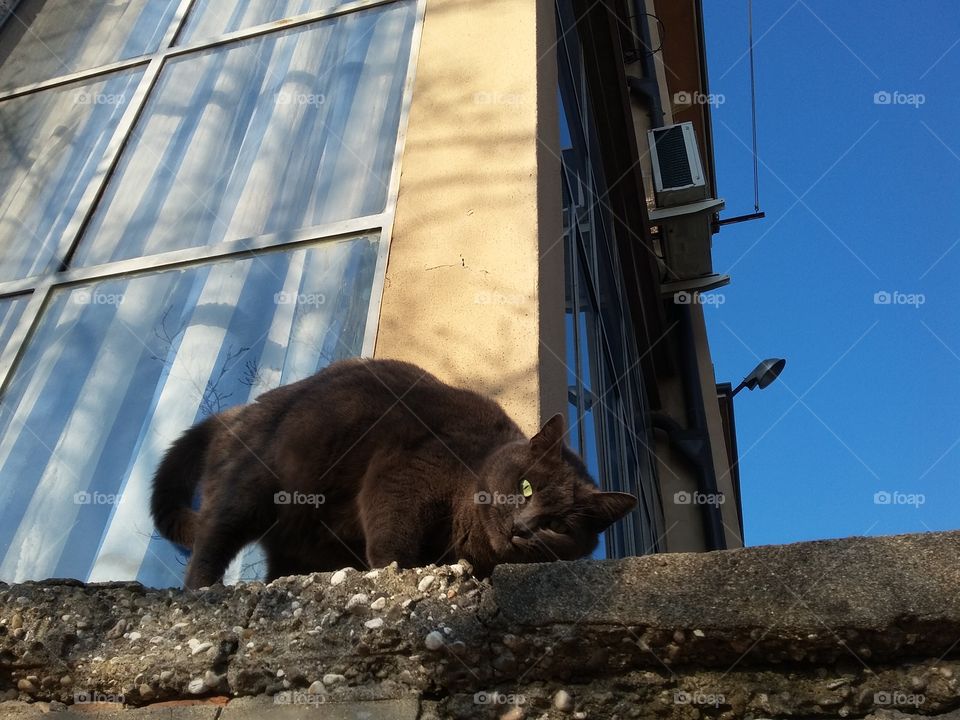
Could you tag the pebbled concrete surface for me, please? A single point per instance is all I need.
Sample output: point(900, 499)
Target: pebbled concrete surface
point(838, 628)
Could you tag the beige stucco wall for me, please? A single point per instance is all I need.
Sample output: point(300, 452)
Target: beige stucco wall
point(475, 275)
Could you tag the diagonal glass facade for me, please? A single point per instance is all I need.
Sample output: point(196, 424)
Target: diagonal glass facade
point(187, 221)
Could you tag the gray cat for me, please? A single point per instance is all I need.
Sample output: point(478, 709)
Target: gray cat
point(374, 461)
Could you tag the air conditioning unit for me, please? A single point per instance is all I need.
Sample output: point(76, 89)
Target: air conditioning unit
point(684, 211)
point(677, 172)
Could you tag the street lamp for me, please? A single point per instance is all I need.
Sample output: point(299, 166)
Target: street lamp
point(763, 374)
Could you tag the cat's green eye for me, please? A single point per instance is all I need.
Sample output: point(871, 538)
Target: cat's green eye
point(557, 526)
point(526, 488)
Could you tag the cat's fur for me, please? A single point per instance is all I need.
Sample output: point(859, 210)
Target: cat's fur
point(403, 463)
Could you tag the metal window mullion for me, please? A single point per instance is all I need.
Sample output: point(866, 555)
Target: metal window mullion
point(372, 328)
point(186, 256)
point(577, 365)
point(275, 25)
point(97, 184)
point(594, 295)
point(411, 72)
point(579, 260)
point(77, 76)
point(190, 256)
point(176, 24)
point(42, 288)
point(17, 343)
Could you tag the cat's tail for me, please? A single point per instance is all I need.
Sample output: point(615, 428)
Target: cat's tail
point(175, 482)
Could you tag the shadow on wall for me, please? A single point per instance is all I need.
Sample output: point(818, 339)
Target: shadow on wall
point(463, 289)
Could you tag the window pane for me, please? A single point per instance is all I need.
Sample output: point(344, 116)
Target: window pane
point(211, 18)
point(117, 370)
point(50, 145)
point(279, 132)
point(11, 310)
point(43, 39)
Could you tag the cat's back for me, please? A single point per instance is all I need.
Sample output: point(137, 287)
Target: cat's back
point(356, 385)
point(397, 396)
point(335, 423)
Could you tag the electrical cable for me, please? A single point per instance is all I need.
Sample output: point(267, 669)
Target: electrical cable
point(753, 110)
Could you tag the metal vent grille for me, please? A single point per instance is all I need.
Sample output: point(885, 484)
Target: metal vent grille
point(672, 157)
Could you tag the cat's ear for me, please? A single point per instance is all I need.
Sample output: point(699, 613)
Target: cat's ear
point(605, 508)
point(550, 438)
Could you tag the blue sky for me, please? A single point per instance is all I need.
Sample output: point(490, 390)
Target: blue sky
point(861, 198)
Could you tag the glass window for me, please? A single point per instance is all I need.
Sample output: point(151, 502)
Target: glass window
point(51, 143)
point(42, 39)
point(118, 369)
point(273, 138)
point(211, 18)
point(280, 132)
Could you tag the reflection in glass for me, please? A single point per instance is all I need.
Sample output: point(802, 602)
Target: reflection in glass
point(117, 370)
point(279, 132)
point(212, 18)
point(44, 39)
point(50, 145)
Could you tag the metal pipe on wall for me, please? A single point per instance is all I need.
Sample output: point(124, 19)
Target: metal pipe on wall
point(646, 87)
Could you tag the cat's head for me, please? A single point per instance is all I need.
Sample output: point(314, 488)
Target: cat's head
point(539, 503)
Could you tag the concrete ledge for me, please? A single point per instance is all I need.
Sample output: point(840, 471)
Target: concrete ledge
point(825, 629)
point(809, 602)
